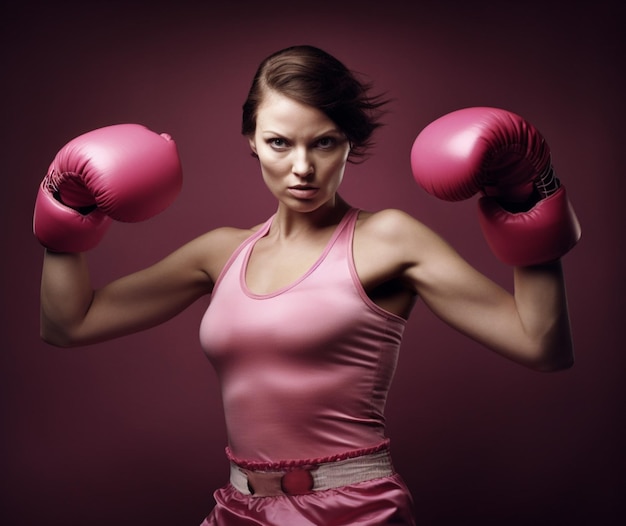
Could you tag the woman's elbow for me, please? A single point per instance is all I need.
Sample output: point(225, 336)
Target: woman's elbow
point(555, 367)
point(54, 340)
point(55, 336)
point(554, 361)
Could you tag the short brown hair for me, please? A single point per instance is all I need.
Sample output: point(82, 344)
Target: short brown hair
point(313, 77)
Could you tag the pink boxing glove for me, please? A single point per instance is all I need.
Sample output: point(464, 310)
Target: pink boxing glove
point(524, 212)
point(124, 172)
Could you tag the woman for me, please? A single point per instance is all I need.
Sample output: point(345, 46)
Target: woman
point(307, 308)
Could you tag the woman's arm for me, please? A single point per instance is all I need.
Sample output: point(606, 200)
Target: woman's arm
point(530, 326)
point(540, 296)
point(73, 313)
point(128, 173)
point(527, 221)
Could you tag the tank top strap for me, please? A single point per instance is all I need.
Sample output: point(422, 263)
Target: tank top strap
point(342, 238)
point(249, 242)
point(339, 241)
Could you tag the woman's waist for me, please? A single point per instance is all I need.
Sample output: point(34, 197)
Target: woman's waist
point(309, 456)
point(301, 439)
point(305, 475)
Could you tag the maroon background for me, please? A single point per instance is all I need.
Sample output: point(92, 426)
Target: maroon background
point(131, 431)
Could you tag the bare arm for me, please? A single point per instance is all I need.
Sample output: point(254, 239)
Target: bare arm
point(73, 313)
point(530, 326)
point(541, 299)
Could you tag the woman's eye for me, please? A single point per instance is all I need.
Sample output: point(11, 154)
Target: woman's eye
point(326, 143)
point(277, 143)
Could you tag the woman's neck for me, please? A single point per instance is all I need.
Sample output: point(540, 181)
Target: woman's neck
point(291, 223)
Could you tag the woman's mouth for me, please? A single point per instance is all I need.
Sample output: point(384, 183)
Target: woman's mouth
point(302, 191)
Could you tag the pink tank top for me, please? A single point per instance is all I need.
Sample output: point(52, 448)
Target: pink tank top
point(305, 370)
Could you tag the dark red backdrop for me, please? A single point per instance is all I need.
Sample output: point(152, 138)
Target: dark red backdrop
point(131, 432)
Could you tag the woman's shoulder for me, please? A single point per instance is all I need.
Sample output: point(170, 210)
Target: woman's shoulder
point(226, 237)
point(397, 231)
point(397, 243)
point(213, 248)
point(389, 222)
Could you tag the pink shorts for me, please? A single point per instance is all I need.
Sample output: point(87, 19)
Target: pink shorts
point(376, 502)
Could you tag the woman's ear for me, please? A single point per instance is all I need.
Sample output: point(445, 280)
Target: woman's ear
point(252, 144)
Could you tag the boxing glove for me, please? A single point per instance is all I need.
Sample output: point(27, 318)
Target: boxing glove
point(524, 211)
point(124, 172)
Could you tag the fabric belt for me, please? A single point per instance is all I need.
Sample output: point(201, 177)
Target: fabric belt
point(307, 479)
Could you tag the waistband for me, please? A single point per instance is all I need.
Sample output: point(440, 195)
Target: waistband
point(300, 477)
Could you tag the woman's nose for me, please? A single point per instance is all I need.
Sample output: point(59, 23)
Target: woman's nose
point(302, 164)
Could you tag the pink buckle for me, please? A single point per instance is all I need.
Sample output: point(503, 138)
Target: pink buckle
point(271, 484)
point(297, 482)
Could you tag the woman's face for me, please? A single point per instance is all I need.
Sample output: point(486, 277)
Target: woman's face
point(302, 152)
